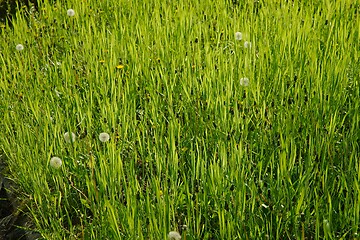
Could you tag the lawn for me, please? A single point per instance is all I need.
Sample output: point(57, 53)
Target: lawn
point(213, 119)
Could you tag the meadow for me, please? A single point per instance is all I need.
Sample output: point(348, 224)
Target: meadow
point(215, 119)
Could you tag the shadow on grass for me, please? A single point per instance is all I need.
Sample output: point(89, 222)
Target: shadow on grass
point(8, 8)
point(14, 222)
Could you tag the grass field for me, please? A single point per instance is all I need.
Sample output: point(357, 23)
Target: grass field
point(212, 136)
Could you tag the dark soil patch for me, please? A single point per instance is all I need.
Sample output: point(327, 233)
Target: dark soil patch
point(14, 222)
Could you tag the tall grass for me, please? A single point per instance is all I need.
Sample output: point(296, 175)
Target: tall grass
point(191, 149)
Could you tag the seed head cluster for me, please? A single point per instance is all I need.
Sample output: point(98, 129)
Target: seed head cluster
point(239, 36)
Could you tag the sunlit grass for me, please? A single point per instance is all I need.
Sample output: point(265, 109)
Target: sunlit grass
point(215, 120)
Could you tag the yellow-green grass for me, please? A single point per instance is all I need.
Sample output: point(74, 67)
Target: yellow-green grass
point(189, 144)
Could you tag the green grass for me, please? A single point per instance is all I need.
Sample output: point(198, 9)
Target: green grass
point(278, 159)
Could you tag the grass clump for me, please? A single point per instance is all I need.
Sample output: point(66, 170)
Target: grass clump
point(196, 119)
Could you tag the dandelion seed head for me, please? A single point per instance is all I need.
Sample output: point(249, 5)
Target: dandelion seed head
point(104, 137)
point(247, 44)
point(70, 12)
point(19, 47)
point(69, 138)
point(55, 162)
point(238, 36)
point(244, 81)
point(174, 235)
